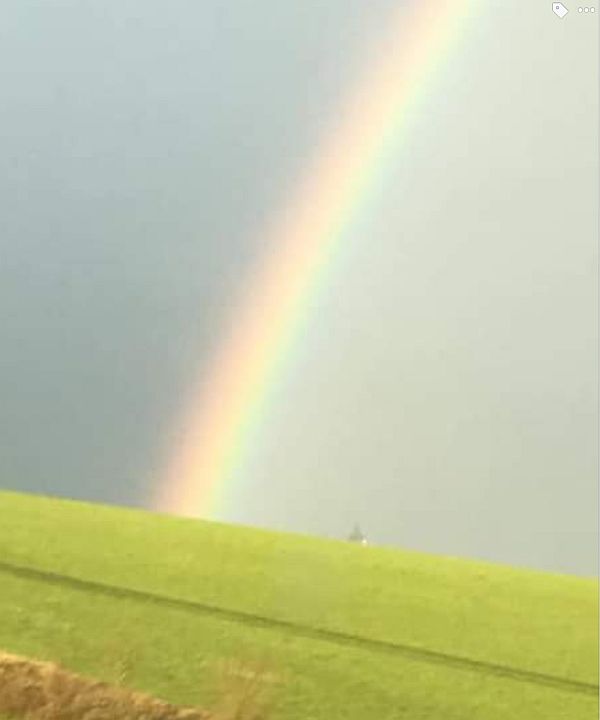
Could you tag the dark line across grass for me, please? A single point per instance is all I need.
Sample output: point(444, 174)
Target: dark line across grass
point(322, 634)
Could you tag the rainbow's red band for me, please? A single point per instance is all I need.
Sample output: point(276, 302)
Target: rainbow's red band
point(302, 240)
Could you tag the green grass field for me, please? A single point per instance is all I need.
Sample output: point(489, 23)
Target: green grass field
point(531, 621)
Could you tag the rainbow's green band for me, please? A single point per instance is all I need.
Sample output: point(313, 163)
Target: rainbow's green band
point(232, 399)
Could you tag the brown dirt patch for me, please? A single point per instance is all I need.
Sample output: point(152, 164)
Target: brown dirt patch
point(44, 691)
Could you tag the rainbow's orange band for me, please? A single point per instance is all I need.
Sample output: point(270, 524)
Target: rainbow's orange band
point(302, 240)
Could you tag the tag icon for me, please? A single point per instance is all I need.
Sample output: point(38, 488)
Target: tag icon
point(559, 10)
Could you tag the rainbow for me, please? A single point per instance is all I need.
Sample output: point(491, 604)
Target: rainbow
point(232, 398)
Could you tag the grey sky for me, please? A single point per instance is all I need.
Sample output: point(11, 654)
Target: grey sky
point(445, 394)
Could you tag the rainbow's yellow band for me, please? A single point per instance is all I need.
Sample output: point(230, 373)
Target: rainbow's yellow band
point(302, 241)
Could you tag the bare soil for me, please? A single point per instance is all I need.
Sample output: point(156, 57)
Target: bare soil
point(39, 690)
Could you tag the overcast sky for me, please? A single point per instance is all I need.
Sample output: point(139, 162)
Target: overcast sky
point(445, 393)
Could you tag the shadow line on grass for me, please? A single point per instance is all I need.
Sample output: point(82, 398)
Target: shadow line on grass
point(315, 633)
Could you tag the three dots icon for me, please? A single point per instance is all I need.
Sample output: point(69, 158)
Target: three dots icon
point(586, 9)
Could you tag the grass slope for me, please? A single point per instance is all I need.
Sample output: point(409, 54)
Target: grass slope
point(529, 620)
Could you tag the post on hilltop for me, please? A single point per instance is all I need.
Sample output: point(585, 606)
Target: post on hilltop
point(357, 536)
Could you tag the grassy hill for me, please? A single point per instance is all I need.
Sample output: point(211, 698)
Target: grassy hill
point(350, 632)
